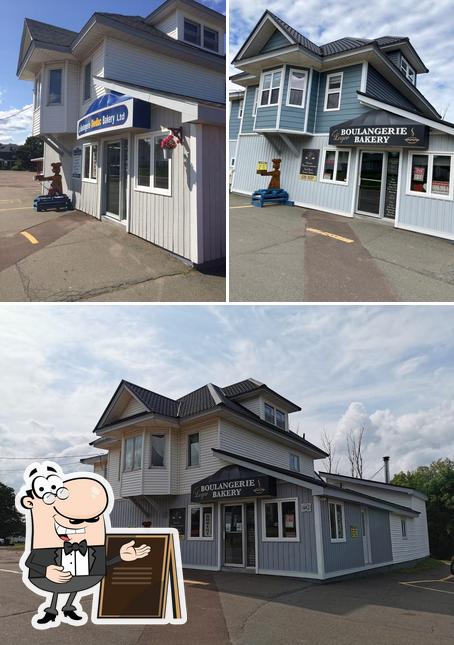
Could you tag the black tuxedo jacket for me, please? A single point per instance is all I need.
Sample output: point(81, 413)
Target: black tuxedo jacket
point(39, 559)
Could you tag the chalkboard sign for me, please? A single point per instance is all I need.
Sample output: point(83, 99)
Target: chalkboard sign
point(309, 164)
point(391, 185)
point(77, 163)
point(177, 519)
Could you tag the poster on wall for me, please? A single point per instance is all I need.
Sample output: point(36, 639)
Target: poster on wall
point(177, 517)
point(309, 164)
point(77, 163)
point(418, 173)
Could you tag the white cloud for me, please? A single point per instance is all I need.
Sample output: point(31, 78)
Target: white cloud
point(16, 124)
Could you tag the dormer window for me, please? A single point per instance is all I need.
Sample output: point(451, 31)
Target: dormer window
point(275, 416)
point(210, 39)
point(192, 32)
point(407, 70)
point(200, 35)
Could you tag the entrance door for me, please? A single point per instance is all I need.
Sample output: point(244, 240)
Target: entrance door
point(233, 536)
point(365, 535)
point(370, 183)
point(116, 177)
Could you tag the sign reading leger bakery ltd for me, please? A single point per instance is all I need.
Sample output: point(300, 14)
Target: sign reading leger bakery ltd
point(414, 136)
point(233, 482)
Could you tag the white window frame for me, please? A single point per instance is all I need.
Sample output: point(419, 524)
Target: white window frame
point(89, 147)
point(403, 528)
point(407, 70)
point(341, 504)
point(160, 434)
point(151, 189)
point(53, 69)
point(333, 91)
point(255, 102)
point(292, 456)
point(87, 98)
point(133, 438)
point(275, 408)
point(322, 168)
point(303, 103)
point(240, 108)
point(272, 87)
point(200, 507)
point(188, 465)
point(202, 26)
point(280, 520)
point(232, 162)
point(202, 36)
point(38, 89)
point(429, 194)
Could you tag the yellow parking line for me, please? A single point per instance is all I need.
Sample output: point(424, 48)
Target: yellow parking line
point(17, 208)
point(347, 240)
point(9, 571)
point(247, 206)
point(31, 238)
point(410, 584)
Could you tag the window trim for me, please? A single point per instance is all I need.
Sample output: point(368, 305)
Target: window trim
point(280, 537)
point(403, 525)
point(202, 35)
point(322, 166)
point(240, 108)
point(341, 504)
point(409, 68)
point(202, 26)
point(287, 101)
point(167, 192)
point(262, 78)
point(38, 91)
point(160, 434)
point(293, 454)
point(201, 507)
point(275, 408)
point(255, 102)
point(430, 154)
point(188, 465)
point(89, 145)
point(133, 469)
point(49, 70)
point(335, 91)
point(84, 97)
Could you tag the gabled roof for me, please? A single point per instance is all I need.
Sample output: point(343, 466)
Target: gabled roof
point(294, 34)
point(170, 5)
point(372, 483)
point(50, 34)
point(249, 386)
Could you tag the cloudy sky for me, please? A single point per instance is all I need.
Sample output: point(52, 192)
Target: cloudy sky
point(429, 25)
point(16, 96)
point(390, 368)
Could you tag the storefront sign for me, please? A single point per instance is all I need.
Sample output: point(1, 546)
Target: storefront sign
point(221, 485)
point(309, 164)
point(354, 533)
point(131, 113)
point(306, 508)
point(77, 163)
point(414, 136)
point(177, 519)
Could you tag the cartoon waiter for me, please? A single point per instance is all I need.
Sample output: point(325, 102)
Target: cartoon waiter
point(65, 552)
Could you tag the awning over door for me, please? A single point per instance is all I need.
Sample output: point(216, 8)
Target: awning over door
point(233, 482)
point(380, 128)
point(113, 112)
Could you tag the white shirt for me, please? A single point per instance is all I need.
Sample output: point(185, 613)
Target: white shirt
point(75, 563)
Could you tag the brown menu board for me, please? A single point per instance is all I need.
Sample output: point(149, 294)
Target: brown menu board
point(139, 589)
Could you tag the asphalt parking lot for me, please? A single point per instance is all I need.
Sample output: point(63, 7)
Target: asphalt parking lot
point(392, 608)
point(292, 254)
point(50, 256)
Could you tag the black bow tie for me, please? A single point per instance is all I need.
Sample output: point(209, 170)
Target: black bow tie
point(69, 547)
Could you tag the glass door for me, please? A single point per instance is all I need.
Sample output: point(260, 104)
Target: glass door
point(370, 183)
point(233, 536)
point(113, 171)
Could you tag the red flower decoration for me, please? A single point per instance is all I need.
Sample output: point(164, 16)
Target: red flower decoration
point(168, 142)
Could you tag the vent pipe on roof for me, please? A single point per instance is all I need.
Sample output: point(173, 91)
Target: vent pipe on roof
point(386, 462)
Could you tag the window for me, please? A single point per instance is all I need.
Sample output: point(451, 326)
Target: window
point(294, 462)
point(193, 450)
point(271, 84)
point(37, 91)
point(201, 522)
point(210, 39)
point(55, 82)
point(296, 88)
point(269, 413)
point(191, 32)
point(337, 522)
point(430, 175)
point(333, 91)
point(133, 453)
point(280, 520)
point(403, 526)
point(335, 166)
point(274, 416)
point(408, 71)
point(240, 108)
point(153, 171)
point(87, 81)
point(90, 161)
point(280, 419)
point(254, 105)
point(158, 448)
point(232, 162)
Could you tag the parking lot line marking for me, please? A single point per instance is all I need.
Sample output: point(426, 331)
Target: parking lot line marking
point(247, 206)
point(10, 571)
point(17, 208)
point(347, 240)
point(31, 238)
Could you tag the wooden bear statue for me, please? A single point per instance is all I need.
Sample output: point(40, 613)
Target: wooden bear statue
point(56, 186)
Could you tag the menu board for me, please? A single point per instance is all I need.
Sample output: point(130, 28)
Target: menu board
point(77, 163)
point(177, 519)
point(309, 164)
point(391, 185)
point(148, 590)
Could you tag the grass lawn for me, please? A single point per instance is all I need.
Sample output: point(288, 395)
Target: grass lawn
point(424, 565)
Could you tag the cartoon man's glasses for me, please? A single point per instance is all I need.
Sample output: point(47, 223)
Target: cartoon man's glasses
point(49, 488)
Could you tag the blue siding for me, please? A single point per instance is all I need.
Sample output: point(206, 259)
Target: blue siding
point(235, 122)
point(266, 117)
point(350, 106)
point(248, 119)
point(292, 118)
point(276, 41)
point(381, 89)
point(340, 556)
point(380, 536)
point(313, 100)
point(290, 556)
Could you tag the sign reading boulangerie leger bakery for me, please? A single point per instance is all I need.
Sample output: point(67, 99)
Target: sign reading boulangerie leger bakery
point(402, 136)
point(233, 482)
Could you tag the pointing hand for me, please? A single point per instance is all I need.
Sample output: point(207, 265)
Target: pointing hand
point(128, 553)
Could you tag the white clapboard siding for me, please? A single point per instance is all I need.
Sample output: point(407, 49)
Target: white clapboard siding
point(72, 96)
point(255, 405)
point(51, 156)
point(168, 25)
point(174, 461)
point(213, 226)
point(416, 544)
point(36, 122)
point(209, 463)
point(113, 470)
point(134, 406)
point(156, 481)
point(97, 69)
point(124, 61)
point(254, 446)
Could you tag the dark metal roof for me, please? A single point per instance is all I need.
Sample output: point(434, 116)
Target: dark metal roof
point(376, 117)
point(349, 491)
point(242, 387)
point(198, 401)
point(367, 481)
point(190, 3)
point(50, 34)
point(296, 35)
point(395, 105)
point(154, 402)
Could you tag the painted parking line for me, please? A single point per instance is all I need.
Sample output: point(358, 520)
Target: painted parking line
point(9, 571)
point(247, 206)
point(347, 240)
point(17, 208)
point(422, 584)
point(31, 238)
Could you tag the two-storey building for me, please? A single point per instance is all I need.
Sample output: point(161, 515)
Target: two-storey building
point(354, 132)
point(222, 465)
point(105, 98)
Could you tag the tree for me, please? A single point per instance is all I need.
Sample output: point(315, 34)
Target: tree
point(355, 451)
point(331, 463)
point(11, 522)
point(437, 482)
point(31, 149)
